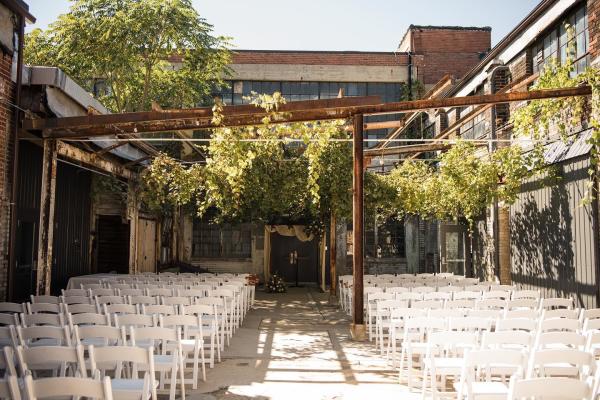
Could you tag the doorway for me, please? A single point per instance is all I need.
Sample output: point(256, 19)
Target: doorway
point(304, 268)
point(112, 250)
point(454, 249)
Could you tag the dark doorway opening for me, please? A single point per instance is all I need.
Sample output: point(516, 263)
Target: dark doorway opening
point(112, 244)
point(307, 268)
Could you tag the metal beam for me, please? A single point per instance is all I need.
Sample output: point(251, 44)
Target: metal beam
point(358, 325)
point(409, 149)
point(171, 120)
point(370, 126)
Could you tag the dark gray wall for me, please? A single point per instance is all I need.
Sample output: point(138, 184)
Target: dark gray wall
point(553, 236)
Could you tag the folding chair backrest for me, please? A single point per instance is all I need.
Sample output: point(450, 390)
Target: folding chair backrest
point(92, 286)
point(423, 289)
point(516, 324)
point(119, 309)
point(559, 324)
point(427, 304)
point(497, 294)
point(491, 304)
point(76, 300)
point(88, 319)
point(80, 308)
point(470, 324)
point(9, 319)
point(507, 339)
point(159, 309)
point(160, 337)
point(542, 359)
point(560, 339)
point(522, 313)
point(47, 388)
point(159, 292)
point(42, 319)
point(410, 296)
point(490, 314)
point(99, 335)
point(75, 292)
point(464, 303)
point(396, 289)
point(556, 388)
point(136, 320)
point(100, 300)
point(437, 296)
point(592, 313)
point(450, 289)
point(466, 294)
point(103, 292)
point(176, 301)
point(7, 307)
point(522, 302)
point(556, 302)
point(43, 335)
point(560, 313)
point(45, 358)
point(52, 308)
point(526, 294)
point(135, 300)
point(45, 299)
point(132, 292)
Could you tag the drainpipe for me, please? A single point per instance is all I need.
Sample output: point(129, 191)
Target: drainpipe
point(12, 257)
point(410, 89)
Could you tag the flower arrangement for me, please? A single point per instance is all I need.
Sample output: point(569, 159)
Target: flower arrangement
point(276, 284)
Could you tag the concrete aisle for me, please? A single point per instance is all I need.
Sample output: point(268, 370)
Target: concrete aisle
point(297, 346)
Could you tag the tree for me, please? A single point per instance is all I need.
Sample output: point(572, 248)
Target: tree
point(125, 46)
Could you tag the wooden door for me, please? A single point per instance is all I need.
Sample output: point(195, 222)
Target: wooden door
point(307, 269)
point(146, 249)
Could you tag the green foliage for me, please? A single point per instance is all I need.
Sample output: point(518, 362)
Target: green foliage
point(108, 184)
point(465, 183)
point(540, 118)
point(125, 45)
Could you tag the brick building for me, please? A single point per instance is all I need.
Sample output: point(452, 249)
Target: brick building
point(13, 15)
point(548, 239)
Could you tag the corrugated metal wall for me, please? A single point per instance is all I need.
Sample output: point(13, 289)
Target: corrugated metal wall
point(71, 225)
point(553, 240)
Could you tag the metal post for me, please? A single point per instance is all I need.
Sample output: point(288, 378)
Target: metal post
point(358, 326)
point(332, 254)
point(46, 230)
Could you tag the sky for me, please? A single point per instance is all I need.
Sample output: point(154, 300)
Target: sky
point(360, 25)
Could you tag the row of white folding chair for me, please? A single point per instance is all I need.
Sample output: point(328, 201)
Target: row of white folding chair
point(169, 331)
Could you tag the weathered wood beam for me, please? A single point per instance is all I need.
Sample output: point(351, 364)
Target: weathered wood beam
point(46, 222)
point(181, 134)
point(92, 160)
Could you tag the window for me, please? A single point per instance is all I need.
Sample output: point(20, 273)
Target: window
point(221, 240)
point(386, 239)
point(475, 128)
point(560, 41)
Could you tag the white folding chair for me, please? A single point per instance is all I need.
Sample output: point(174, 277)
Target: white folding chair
point(134, 360)
point(42, 319)
point(80, 308)
point(191, 341)
point(51, 388)
point(168, 356)
point(87, 319)
point(45, 299)
point(482, 367)
point(12, 308)
point(416, 330)
point(444, 356)
point(98, 335)
point(557, 303)
point(508, 340)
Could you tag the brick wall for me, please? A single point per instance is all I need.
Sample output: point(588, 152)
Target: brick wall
point(453, 51)
point(6, 156)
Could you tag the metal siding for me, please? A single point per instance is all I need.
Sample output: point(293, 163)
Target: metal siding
point(71, 225)
point(552, 241)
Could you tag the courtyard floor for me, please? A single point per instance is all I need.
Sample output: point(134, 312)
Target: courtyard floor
point(297, 346)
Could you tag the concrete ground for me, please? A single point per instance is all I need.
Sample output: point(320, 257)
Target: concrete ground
point(297, 346)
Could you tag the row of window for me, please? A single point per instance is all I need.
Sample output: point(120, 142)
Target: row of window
point(568, 39)
point(236, 91)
